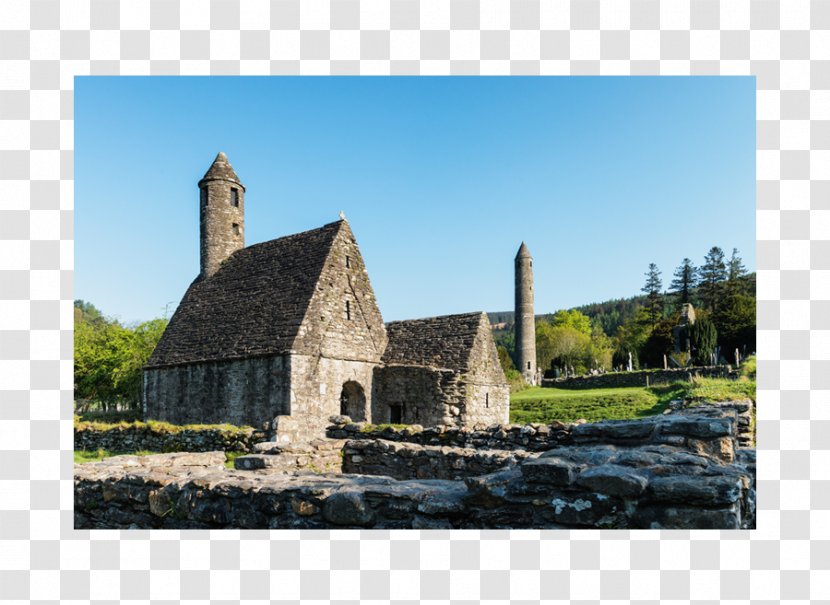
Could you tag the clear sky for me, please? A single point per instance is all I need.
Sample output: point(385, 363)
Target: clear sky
point(441, 179)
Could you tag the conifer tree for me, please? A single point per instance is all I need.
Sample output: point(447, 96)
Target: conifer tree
point(654, 297)
point(712, 275)
point(685, 278)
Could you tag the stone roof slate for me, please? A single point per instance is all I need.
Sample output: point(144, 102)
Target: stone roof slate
point(253, 305)
point(220, 170)
point(440, 342)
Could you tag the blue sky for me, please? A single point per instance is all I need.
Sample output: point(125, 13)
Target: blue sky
point(441, 180)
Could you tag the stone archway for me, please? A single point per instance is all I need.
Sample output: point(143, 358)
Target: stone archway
point(353, 401)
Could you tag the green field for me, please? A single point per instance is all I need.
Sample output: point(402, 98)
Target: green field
point(544, 405)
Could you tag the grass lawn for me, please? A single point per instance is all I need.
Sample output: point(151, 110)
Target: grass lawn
point(540, 404)
point(82, 457)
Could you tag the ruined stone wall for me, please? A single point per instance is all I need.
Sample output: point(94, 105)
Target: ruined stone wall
point(143, 437)
point(638, 378)
point(318, 456)
point(604, 486)
point(316, 385)
point(411, 461)
point(429, 396)
point(248, 392)
point(530, 437)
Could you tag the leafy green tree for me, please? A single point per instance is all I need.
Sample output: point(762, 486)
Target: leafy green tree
point(685, 278)
point(654, 298)
point(704, 340)
point(109, 357)
point(631, 337)
point(504, 359)
point(572, 319)
point(712, 275)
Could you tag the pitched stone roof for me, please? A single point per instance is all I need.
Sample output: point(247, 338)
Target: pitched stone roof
point(253, 305)
point(523, 252)
point(220, 170)
point(441, 342)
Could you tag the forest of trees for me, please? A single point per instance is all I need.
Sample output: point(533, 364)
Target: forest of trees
point(601, 335)
point(109, 357)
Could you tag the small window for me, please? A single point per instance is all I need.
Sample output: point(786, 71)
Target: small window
point(487, 400)
point(348, 262)
point(235, 197)
point(396, 413)
point(531, 264)
point(528, 365)
point(236, 228)
point(348, 309)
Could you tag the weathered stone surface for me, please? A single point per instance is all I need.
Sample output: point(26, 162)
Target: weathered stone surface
point(412, 461)
point(616, 485)
point(704, 491)
point(347, 507)
point(613, 430)
point(143, 437)
point(638, 378)
point(553, 470)
point(613, 480)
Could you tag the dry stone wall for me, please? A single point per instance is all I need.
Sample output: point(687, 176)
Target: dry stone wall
point(673, 471)
point(145, 437)
point(412, 461)
point(638, 378)
point(530, 437)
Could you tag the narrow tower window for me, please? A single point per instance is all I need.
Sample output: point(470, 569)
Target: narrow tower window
point(236, 228)
point(348, 262)
point(487, 400)
point(348, 309)
point(528, 365)
point(235, 197)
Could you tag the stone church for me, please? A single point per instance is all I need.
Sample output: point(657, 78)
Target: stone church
point(288, 333)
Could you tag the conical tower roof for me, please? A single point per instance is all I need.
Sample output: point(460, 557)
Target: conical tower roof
point(523, 251)
point(220, 170)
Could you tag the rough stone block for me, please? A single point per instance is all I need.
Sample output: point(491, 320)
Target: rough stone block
point(613, 480)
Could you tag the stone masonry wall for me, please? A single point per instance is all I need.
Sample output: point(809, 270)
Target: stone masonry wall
point(593, 486)
point(317, 383)
point(487, 394)
point(248, 392)
point(531, 437)
point(142, 437)
point(639, 378)
point(412, 461)
point(426, 394)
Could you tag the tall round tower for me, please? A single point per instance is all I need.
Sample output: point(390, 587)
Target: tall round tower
point(221, 215)
point(525, 318)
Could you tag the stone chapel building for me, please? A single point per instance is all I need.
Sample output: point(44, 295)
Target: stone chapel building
point(288, 332)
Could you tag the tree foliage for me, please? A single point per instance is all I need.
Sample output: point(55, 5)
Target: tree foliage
point(109, 357)
point(704, 340)
point(712, 275)
point(654, 297)
point(685, 279)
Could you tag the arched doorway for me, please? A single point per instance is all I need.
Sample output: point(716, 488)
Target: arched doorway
point(353, 401)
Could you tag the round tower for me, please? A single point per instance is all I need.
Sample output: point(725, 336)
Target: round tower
point(525, 318)
point(221, 215)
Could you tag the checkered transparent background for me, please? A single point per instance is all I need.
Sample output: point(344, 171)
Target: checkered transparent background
point(45, 43)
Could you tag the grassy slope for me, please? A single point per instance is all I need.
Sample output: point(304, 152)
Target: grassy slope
point(545, 404)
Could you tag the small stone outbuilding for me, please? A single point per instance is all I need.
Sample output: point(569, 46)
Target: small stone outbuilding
point(288, 332)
